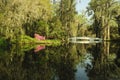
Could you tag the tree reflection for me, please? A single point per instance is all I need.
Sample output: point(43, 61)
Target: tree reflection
point(63, 62)
point(104, 67)
point(59, 63)
point(24, 65)
point(49, 64)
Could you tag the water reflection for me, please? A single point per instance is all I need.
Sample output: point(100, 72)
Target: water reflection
point(39, 47)
point(68, 62)
point(104, 65)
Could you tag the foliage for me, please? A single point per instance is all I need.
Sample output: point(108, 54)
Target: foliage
point(40, 26)
point(15, 13)
point(3, 43)
point(56, 30)
point(67, 13)
point(104, 13)
point(82, 26)
point(57, 19)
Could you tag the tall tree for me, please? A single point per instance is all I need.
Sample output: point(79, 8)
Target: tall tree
point(104, 16)
point(67, 13)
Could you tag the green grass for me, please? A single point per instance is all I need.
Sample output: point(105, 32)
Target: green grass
point(28, 43)
point(29, 40)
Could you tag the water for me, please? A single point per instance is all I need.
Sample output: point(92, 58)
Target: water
point(67, 62)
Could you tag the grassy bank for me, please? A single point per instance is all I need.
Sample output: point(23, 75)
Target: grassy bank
point(26, 43)
point(29, 40)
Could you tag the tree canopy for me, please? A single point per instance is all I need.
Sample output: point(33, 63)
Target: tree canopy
point(58, 19)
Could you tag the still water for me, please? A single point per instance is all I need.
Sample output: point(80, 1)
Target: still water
point(99, 61)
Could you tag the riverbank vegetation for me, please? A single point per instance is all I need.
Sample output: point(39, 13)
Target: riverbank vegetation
point(58, 19)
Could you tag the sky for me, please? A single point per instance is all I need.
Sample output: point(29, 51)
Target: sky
point(81, 5)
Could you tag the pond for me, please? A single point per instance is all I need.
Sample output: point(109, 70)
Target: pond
point(99, 61)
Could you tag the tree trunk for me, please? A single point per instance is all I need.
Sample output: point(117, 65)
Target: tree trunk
point(108, 33)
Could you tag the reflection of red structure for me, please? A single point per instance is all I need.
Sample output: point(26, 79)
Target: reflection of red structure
point(38, 37)
point(38, 48)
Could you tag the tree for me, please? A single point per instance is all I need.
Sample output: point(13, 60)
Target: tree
point(16, 13)
point(118, 21)
point(104, 16)
point(67, 13)
point(56, 30)
point(82, 25)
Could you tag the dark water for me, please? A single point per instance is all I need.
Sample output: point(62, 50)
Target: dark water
point(67, 62)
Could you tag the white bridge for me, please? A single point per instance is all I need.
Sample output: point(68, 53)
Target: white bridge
point(84, 40)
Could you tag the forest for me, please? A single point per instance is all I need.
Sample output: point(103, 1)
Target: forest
point(52, 56)
point(58, 20)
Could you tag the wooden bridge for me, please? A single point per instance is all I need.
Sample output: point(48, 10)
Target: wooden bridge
point(84, 40)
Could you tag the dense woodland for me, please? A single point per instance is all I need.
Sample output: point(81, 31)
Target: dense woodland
point(58, 19)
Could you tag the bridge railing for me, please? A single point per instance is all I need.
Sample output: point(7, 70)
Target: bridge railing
point(85, 39)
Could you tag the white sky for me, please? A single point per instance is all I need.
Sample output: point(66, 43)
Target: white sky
point(81, 5)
